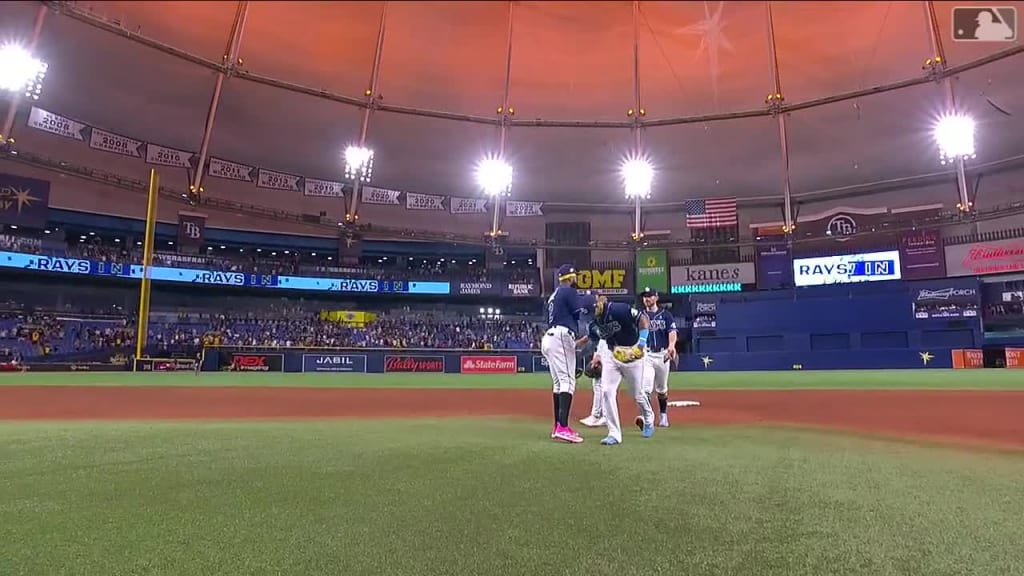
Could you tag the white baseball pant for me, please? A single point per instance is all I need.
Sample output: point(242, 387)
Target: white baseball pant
point(656, 376)
point(558, 346)
point(612, 374)
point(596, 410)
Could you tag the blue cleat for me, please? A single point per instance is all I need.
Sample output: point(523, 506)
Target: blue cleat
point(648, 431)
point(609, 441)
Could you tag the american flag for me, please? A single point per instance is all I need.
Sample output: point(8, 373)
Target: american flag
point(711, 213)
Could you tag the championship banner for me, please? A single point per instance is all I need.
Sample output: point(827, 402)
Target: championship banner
point(110, 142)
point(56, 124)
point(707, 278)
point(191, 231)
point(229, 170)
point(518, 208)
point(921, 255)
point(374, 195)
point(950, 298)
point(24, 201)
point(522, 290)
point(774, 268)
point(415, 201)
point(467, 205)
point(606, 282)
point(164, 156)
point(478, 288)
point(652, 270)
point(272, 180)
point(327, 188)
point(981, 258)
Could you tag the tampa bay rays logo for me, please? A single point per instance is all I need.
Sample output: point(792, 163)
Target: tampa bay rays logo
point(607, 329)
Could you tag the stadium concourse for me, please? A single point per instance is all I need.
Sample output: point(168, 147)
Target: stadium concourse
point(274, 276)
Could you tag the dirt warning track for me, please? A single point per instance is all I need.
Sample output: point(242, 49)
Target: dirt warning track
point(973, 417)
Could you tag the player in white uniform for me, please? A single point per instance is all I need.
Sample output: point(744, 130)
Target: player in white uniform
point(661, 350)
point(624, 329)
point(558, 345)
point(596, 418)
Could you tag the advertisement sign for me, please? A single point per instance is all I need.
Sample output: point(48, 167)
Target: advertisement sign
point(522, 289)
point(982, 258)
point(608, 282)
point(242, 362)
point(869, 267)
point(652, 270)
point(24, 201)
point(485, 288)
point(409, 363)
point(1015, 357)
point(191, 231)
point(921, 255)
point(540, 364)
point(334, 363)
point(774, 265)
point(488, 365)
point(706, 278)
point(703, 308)
point(968, 359)
point(946, 299)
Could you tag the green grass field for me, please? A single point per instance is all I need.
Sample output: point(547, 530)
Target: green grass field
point(494, 496)
point(837, 379)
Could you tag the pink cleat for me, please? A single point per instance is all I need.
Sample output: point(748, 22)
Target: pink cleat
point(566, 434)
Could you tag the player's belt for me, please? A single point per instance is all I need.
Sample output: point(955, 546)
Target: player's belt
point(563, 329)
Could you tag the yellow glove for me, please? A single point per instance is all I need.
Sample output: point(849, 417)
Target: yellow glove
point(627, 354)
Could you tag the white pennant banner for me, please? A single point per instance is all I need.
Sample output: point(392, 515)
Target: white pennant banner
point(328, 188)
point(56, 124)
point(415, 201)
point(110, 142)
point(467, 205)
point(163, 156)
point(374, 195)
point(277, 180)
point(230, 170)
point(516, 208)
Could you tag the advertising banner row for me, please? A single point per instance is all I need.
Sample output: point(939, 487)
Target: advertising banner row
point(371, 361)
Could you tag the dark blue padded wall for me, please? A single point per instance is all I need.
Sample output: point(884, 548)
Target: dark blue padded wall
point(868, 325)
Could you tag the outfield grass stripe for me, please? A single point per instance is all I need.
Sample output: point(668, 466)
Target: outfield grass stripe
point(680, 382)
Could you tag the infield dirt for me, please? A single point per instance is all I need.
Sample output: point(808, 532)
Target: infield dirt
point(981, 418)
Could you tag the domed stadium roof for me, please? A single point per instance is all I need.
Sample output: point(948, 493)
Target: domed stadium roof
point(859, 103)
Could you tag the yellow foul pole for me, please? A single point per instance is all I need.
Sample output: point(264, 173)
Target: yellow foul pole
point(147, 261)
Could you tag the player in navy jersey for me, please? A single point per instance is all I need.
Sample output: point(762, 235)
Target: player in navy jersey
point(559, 349)
point(661, 350)
point(595, 351)
point(625, 330)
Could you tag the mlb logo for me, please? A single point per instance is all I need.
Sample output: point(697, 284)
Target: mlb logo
point(985, 23)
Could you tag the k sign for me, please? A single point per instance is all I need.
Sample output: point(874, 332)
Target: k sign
point(689, 279)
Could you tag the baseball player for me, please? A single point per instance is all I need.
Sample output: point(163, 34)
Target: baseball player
point(661, 350)
point(625, 331)
point(558, 346)
point(596, 417)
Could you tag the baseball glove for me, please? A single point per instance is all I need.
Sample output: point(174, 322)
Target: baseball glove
point(628, 354)
point(593, 370)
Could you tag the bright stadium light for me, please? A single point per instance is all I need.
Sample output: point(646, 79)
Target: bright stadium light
point(954, 134)
point(358, 163)
point(494, 176)
point(20, 71)
point(637, 175)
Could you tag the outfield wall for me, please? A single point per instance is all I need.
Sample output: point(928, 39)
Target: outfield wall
point(363, 361)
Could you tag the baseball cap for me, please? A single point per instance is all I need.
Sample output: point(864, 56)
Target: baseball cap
point(588, 302)
point(648, 292)
point(566, 271)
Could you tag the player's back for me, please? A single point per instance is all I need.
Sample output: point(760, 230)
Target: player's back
point(562, 307)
